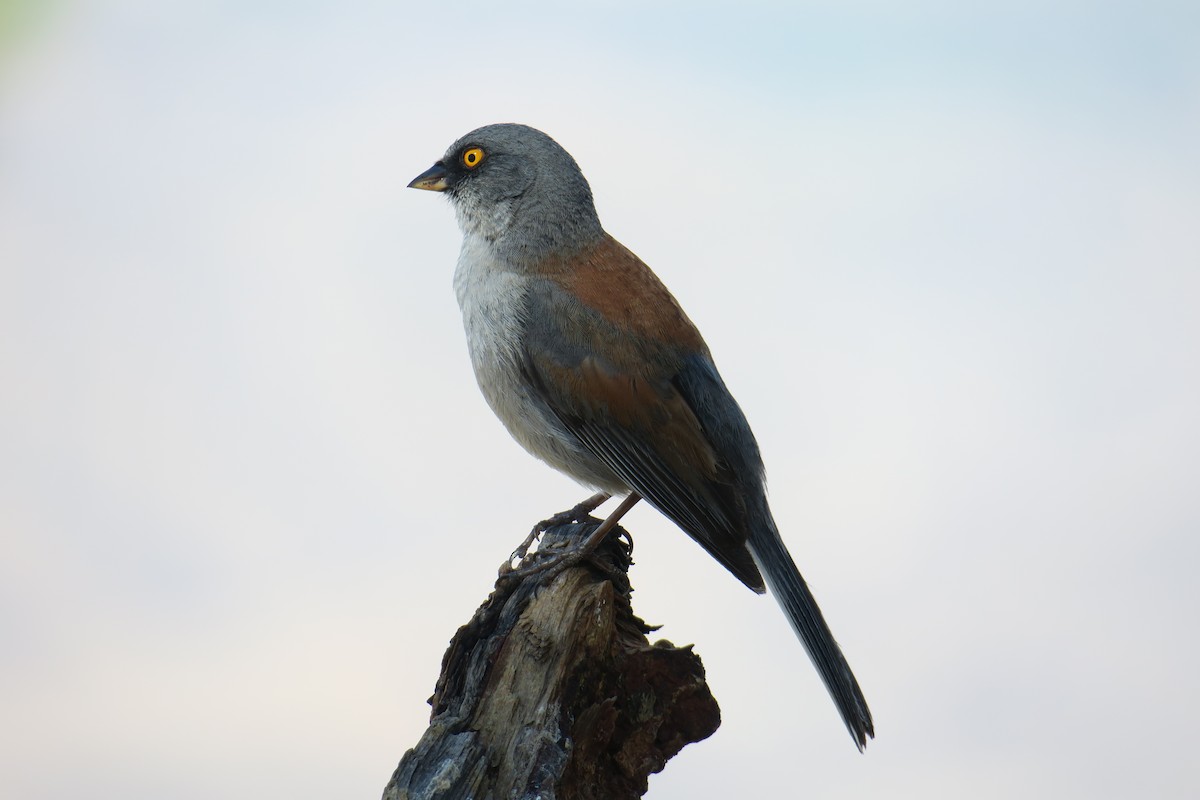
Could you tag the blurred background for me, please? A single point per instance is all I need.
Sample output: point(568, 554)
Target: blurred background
point(947, 257)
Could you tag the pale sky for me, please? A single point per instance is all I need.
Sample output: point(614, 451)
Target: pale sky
point(947, 256)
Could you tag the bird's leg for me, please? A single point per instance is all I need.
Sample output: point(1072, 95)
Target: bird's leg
point(573, 514)
point(560, 561)
point(597, 536)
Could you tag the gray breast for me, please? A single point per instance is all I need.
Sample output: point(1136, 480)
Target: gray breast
point(493, 303)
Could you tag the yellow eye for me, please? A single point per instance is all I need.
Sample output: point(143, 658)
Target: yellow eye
point(472, 157)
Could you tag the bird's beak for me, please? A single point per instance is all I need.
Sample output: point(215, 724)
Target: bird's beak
point(432, 179)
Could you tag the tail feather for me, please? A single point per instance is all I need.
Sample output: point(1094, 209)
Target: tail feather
point(792, 594)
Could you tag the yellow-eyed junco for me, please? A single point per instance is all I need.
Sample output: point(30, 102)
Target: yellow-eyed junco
point(594, 368)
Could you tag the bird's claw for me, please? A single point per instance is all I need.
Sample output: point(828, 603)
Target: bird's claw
point(577, 513)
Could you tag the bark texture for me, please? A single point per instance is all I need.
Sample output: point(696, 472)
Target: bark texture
point(552, 690)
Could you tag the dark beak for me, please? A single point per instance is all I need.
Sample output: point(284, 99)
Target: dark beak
point(432, 179)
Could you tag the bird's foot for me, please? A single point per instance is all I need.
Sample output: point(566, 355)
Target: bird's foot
point(577, 513)
point(551, 562)
point(554, 563)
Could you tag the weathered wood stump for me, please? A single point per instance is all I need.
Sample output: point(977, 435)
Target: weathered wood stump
point(552, 690)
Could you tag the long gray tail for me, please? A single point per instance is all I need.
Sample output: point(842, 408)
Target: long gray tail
point(792, 594)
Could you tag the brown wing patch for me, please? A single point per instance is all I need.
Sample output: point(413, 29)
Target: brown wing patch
point(657, 413)
point(610, 279)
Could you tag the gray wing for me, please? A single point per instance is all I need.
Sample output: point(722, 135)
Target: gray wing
point(654, 416)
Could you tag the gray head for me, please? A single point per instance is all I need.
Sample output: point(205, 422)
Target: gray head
point(517, 188)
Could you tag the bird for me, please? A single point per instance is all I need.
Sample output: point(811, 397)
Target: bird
point(594, 368)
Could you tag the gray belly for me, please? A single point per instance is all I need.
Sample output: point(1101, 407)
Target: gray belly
point(492, 304)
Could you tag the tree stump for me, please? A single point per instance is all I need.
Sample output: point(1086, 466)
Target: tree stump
point(552, 690)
